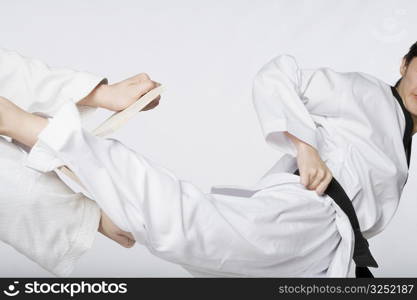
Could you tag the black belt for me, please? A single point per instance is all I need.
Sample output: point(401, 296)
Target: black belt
point(361, 253)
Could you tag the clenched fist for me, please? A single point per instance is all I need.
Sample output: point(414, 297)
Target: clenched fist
point(314, 173)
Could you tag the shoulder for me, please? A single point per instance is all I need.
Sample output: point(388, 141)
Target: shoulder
point(343, 80)
point(368, 79)
point(282, 63)
point(364, 83)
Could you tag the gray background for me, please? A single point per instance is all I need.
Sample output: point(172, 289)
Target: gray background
point(206, 53)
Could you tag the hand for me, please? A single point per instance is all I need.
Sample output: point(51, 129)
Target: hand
point(113, 232)
point(314, 173)
point(120, 95)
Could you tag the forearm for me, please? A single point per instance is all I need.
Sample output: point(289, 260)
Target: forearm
point(18, 124)
point(35, 86)
point(28, 129)
point(24, 127)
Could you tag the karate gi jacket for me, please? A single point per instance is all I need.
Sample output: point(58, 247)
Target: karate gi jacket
point(276, 227)
point(40, 216)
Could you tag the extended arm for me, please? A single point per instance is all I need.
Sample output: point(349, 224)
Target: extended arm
point(36, 87)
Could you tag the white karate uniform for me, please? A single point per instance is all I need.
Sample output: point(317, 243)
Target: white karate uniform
point(39, 215)
point(277, 227)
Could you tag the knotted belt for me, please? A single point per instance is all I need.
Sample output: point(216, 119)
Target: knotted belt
point(361, 253)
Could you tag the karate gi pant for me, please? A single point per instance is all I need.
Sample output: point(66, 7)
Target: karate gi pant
point(283, 230)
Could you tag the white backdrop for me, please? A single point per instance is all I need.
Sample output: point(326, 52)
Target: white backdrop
point(206, 53)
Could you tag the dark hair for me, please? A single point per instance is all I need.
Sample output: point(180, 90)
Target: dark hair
point(408, 58)
point(411, 54)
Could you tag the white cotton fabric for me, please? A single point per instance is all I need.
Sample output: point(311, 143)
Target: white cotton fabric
point(39, 215)
point(335, 113)
point(277, 227)
point(281, 231)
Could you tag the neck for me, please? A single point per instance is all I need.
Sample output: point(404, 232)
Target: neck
point(414, 123)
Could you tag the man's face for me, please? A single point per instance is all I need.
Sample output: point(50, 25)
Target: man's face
point(408, 85)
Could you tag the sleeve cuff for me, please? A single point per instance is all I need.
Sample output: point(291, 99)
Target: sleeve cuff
point(83, 241)
point(55, 135)
point(80, 87)
point(274, 135)
point(42, 157)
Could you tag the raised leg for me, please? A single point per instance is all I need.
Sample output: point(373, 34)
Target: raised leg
point(286, 231)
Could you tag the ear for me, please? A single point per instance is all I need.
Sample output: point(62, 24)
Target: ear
point(403, 68)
